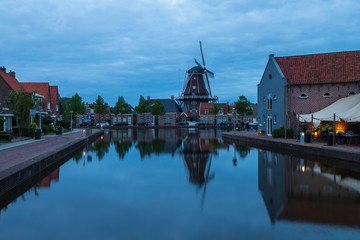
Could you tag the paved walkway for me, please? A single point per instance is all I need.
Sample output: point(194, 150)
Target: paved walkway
point(12, 154)
point(315, 144)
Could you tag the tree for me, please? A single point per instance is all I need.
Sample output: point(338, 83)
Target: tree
point(157, 109)
point(100, 107)
point(20, 104)
point(75, 104)
point(216, 109)
point(242, 106)
point(121, 107)
point(143, 106)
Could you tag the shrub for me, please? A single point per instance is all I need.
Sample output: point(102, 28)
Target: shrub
point(46, 129)
point(26, 132)
point(280, 133)
point(65, 123)
point(5, 137)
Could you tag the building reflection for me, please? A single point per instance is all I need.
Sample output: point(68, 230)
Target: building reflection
point(294, 189)
point(53, 177)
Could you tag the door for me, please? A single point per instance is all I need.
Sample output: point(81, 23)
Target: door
point(269, 126)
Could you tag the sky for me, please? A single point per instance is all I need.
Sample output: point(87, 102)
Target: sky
point(130, 48)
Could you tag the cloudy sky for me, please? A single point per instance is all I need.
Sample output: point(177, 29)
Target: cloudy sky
point(144, 47)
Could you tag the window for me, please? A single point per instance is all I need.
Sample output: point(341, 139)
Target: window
point(114, 119)
point(269, 102)
point(48, 105)
point(352, 93)
point(194, 87)
point(141, 118)
point(275, 119)
point(206, 111)
point(170, 119)
point(211, 119)
point(57, 108)
point(327, 94)
point(206, 119)
point(202, 119)
point(148, 118)
point(270, 76)
point(303, 95)
point(164, 119)
point(91, 110)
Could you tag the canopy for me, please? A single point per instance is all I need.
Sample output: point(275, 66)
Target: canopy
point(347, 109)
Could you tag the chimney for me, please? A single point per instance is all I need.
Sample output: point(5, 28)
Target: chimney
point(3, 69)
point(148, 98)
point(172, 97)
point(12, 73)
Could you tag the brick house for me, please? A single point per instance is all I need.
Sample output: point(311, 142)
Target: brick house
point(8, 83)
point(42, 88)
point(95, 118)
point(172, 113)
point(129, 118)
point(304, 84)
point(208, 117)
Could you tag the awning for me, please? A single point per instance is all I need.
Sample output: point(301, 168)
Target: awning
point(347, 109)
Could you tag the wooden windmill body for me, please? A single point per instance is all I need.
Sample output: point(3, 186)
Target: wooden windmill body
point(196, 89)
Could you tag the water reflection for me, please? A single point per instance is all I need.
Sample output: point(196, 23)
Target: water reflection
point(295, 189)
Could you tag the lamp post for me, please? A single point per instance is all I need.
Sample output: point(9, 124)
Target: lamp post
point(71, 120)
point(234, 116)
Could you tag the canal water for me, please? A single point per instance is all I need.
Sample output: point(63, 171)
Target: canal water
point(186, 184)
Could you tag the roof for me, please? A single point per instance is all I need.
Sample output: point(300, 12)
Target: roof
point(204, 106)
point(169, 105)
point(11, 81)
point(41, 88)
point(321, 68)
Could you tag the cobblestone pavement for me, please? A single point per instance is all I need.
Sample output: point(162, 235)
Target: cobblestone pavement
point(22, 151)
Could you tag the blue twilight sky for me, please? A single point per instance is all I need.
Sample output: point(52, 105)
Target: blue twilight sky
point(144, 47)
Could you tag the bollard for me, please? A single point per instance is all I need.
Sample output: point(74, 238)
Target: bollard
point(302, 137)
point(84, 133)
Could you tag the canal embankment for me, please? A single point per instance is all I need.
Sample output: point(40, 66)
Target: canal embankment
point(314, 150)
point(21, 162)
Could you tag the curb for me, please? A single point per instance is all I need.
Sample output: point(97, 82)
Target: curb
point(16, 175)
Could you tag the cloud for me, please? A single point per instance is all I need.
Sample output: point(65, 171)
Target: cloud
point(144, 47)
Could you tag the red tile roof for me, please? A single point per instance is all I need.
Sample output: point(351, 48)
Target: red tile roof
point(321, 68)
point(204, 106)
point(11, 81)
point(53, 97)
point(41, 88)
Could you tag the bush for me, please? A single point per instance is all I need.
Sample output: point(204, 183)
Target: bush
point(47, 129)
point(26, 132)
point(280, 133)
point(65, 123)
point(5, 137)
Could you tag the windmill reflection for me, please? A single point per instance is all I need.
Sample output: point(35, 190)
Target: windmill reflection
point(197, 150)
point(299, 190)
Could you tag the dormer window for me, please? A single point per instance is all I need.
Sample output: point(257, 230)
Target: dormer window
point(352, 93)
point(326, 95)
point(303, 95)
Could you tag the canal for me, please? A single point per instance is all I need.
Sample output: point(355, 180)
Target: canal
point(185, 184)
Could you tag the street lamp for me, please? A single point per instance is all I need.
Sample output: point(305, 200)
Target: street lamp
point(71, 120)
point(234, 116)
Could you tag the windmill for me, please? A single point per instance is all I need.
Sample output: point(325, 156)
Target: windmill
point(196, 88)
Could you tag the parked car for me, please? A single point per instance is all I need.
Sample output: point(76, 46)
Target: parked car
point(202, 124)
point(142, 124)
point(121, 124)
point(103, 124)
point(193, 123)
point(253, 126)
point(184, 123)
point(225, 123)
